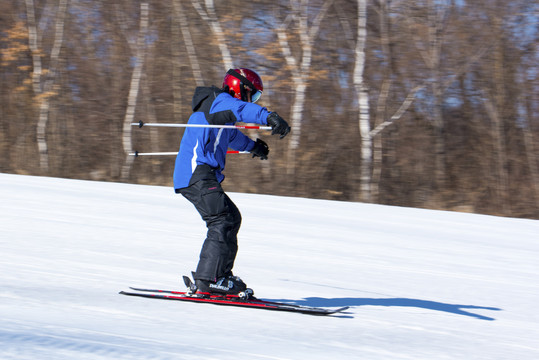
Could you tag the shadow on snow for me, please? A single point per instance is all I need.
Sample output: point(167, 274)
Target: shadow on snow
point(397, 302)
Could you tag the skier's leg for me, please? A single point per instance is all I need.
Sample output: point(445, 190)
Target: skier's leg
point(223, 220)
point(233, 226)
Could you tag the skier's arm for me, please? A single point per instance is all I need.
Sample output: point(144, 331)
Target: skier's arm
point(240, 142)
point(242, 111)
point(252, 111)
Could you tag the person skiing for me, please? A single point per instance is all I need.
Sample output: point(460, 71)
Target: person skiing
point(199, 166)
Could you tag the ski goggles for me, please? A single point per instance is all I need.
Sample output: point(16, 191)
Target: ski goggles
point(255, 95)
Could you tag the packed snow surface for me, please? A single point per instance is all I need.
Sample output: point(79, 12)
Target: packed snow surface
point(420, 284)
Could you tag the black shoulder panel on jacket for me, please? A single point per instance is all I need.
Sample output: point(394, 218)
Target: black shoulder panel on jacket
point(203, 100)
point(201, 93)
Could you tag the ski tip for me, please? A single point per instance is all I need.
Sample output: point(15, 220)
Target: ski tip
point(324, 311)
point(338, 310)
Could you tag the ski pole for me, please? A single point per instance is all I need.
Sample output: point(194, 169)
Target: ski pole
point(136, 153)
point(141, 124)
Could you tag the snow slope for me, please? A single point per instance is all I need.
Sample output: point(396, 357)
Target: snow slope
point(421, 284)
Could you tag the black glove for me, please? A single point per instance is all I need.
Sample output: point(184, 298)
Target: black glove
point(260, 149)
point(278, 125)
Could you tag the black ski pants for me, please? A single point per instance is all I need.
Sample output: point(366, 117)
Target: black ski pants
point(223, 221)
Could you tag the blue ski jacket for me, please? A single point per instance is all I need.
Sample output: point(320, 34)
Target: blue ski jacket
point(208, 146)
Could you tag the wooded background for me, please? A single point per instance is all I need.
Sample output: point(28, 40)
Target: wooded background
point(424, 103)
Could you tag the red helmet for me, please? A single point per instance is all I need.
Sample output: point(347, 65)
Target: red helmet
point(243, 84)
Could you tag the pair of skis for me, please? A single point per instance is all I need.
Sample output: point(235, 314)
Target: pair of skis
point(246, 300)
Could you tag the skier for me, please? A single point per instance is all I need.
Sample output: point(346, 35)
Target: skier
point(199, 167)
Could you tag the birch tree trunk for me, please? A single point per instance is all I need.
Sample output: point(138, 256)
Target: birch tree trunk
point(371, 142)
point(37, 82)
point(43, 84)
point(179, 14)
point(180, 28)
point(210, 16)
point(148, 105)
point(176, 60)
point(382, 103)
point(301, 69)
point(34, 47)
point(363, 101)
point(133, 91)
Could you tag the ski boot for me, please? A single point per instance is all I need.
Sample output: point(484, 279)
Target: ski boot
point(227, 286)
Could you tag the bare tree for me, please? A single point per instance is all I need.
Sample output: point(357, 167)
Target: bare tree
point(43, 81)
point(300, 68)
point(180, 24)
point(134, 90)
point(209, 15)
point(363, 101)
point(371, 144)
point(428, 34)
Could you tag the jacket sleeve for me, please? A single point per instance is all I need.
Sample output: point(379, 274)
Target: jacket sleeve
point(239, 141)
point(251, 113)
point(241, 111)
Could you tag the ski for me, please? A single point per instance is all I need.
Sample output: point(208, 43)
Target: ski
point(229, 300)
